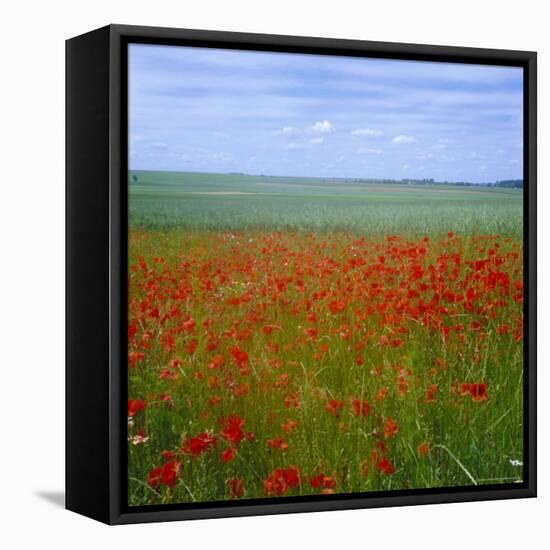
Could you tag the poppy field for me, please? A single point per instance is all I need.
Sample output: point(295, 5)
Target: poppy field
point(283, 361)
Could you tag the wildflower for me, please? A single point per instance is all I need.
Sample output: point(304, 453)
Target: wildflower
point(289, 426)
point(322, 481)
point(334, 407)
point(360, 408)
point(166, 474)
point(423, 449)
point(277, 444)
point(232, 429)
point(390, 428)
point(135, 405)
point(228, 455)
point(384, 466)
point(281, 480)
point(199, 444)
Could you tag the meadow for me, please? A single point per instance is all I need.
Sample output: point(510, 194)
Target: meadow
point(298, 336)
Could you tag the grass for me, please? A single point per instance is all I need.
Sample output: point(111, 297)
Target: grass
point(268, 203)
point(293, 344)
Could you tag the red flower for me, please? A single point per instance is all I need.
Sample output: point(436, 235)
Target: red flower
point(423, 449)
point(191, 347)
point(384, 466)
point(381, 394)
point(334, 407)
point(337, 306)
point(478, 392)
point(217, 361)
point(188, 326)
point(135, 405)
point(166, 474)
point(199, 444)
point(228, 455)
point(360, 408)
point(240, 356)
point(390, 428)
point(281, 480)
point(323, 482)
point(430, 393)
point(134, 357)
point(292, 401)
point(232, 429)
point(277, 444)
point(132, 329)
point(290, 425)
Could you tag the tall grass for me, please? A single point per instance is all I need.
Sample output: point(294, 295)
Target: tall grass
point(349, 315)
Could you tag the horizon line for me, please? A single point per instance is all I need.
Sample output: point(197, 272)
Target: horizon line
point(346, 178)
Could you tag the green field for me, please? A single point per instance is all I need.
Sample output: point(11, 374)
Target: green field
point(242, 202)
point(302, 336)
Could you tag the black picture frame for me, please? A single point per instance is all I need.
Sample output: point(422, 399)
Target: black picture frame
point(96, 264)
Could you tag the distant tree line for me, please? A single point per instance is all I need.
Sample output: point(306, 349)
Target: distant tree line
point(516, 184)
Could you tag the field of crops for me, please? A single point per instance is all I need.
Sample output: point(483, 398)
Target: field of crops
point(320, 337)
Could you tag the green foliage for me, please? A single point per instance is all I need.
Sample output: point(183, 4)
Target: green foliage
point(233, 202)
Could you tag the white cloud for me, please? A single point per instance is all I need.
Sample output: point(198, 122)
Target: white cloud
point(286, 130)
point(398, 140)
point(406, 166)
point(368, 132)
point(324, 127)
point(362, 151)
point(316, 141)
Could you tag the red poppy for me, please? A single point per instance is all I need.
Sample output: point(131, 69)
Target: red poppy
point(240, 356)
point(384, 466)
point(423, 449)
point(430, 393)
point(360, 408)
point(478, 392)
point(281, 480)
point(277, 444)
point(232, 429)
point(334, 407)
point(216, 362)
point(289, 426)
point(166, 474)
point(381, 394)
point(199, 444)
point(228, 455)
point(322, 481)
point(390, 428)
point(135, 405)
point(134, 357)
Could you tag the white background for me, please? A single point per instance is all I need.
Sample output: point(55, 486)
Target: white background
point(32, 272)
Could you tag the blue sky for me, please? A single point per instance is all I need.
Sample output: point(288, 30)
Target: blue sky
point(212, 110)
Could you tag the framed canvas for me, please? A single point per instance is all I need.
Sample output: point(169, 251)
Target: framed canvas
point(301, 274)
